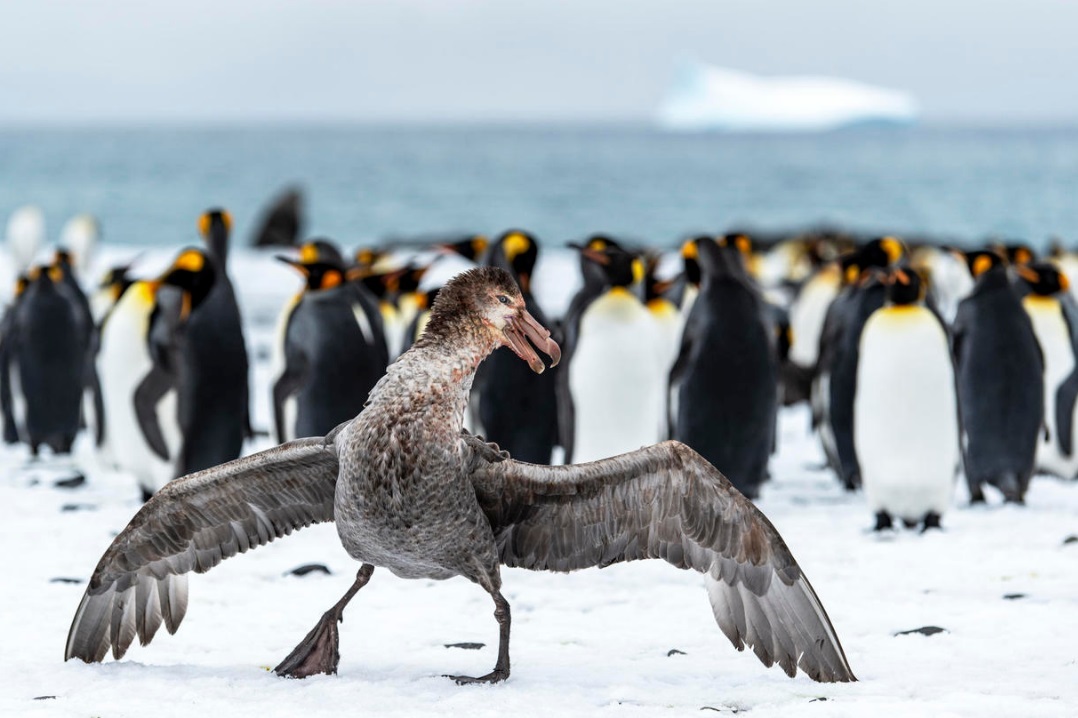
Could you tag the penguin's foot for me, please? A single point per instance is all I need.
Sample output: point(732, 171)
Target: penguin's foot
point(883, 521)
point(909, 523)
point(317, 652)
point(932, 521)
point(976, 495)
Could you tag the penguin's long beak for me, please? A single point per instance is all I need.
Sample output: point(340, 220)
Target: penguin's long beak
point(521, 329)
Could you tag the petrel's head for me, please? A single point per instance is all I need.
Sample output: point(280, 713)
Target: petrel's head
point(491, 298)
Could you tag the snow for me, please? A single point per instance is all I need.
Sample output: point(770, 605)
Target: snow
point(593, 643)
point(704, 97)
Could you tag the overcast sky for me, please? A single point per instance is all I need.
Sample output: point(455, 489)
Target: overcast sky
point(75, 61)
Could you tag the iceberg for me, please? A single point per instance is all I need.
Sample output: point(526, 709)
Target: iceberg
point(704, 97)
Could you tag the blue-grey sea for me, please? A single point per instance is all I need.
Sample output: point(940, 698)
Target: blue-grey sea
point(364, 184)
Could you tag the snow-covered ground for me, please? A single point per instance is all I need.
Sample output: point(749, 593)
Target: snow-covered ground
point(1001, 581)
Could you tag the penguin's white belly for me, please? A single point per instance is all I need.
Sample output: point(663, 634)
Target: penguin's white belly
point(278, 363)
point(617, 379)
point(1051, 330)
point(905, 414)
point(807, 315)
point(123, 362)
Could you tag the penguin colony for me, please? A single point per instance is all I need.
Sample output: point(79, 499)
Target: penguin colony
point(919, 362)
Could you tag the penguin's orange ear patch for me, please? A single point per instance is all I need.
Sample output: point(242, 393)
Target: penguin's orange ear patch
point(981, 265)
point(331, 279)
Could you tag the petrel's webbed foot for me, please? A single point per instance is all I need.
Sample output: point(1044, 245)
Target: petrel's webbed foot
point(317, 652)
point(501, 668)
point(495, 676)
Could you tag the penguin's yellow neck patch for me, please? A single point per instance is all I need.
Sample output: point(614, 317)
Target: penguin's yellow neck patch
point(1037, 303)
point(662, 307)
point(905, 312)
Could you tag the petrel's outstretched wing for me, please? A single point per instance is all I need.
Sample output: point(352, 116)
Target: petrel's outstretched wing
point(667, 502)
point(192, 524)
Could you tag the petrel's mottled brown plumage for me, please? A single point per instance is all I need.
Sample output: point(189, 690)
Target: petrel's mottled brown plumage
point(409, 492)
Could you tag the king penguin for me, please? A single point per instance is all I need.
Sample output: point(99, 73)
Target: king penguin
point(210, 387)
point(216, 356)
point(726, 374)
point(1000, 382)
point(123, 363)
point(330, 363)
point(43, 362)
point(517, 408)
point(836, 373)
point(612, 381)
point(905, 429)
point(1052, 311)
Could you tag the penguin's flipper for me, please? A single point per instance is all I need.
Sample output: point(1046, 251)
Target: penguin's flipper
point(286, 385)
point(566, 412)
point(674, 382)
point(1066, 395)
point(149, 392)
point(7, 404)
point(98, 403)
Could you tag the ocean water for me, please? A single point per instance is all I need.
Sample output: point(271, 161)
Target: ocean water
point(366, 184)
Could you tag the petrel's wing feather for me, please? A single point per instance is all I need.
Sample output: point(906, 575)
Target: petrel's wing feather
point(192, 524)
point(666, 502)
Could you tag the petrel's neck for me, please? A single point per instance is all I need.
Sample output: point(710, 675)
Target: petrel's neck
point(432, 381)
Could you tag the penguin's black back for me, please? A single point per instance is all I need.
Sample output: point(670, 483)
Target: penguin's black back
point(728, 394)
point(213, 394)
point(862, 302)
point(50, 352)
point(339, 366)
point(1000, 385)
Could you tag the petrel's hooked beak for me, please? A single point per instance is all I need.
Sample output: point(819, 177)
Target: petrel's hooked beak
point(522, 328)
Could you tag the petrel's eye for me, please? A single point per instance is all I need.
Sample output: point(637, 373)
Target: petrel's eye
point(503, 299)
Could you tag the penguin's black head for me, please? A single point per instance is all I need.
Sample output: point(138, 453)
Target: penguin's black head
point(1044, 279)
point(21, 282)
point(654, 288)
point(215, 225)
point(619, 267)
point(318, 274)
point(516, 251)
point(44, 275)
point(905, 286)
point(719, 258)
point(321, 250)
point(690, 260)
point(739, 241)
point(881, 252)
point(62, 259)
point(214, 220)
point(471, 248)
point(366, 258)
point(193, 273)
point(116, 281)
point(850, 266)
point(981, 261)
point(737, 246)
point(410, 279)
point(1016, 253)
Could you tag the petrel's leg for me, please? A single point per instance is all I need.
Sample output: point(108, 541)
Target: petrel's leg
point(501, 668)
point(317, 653)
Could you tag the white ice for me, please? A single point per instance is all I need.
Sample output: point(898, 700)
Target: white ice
point(704, 97)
